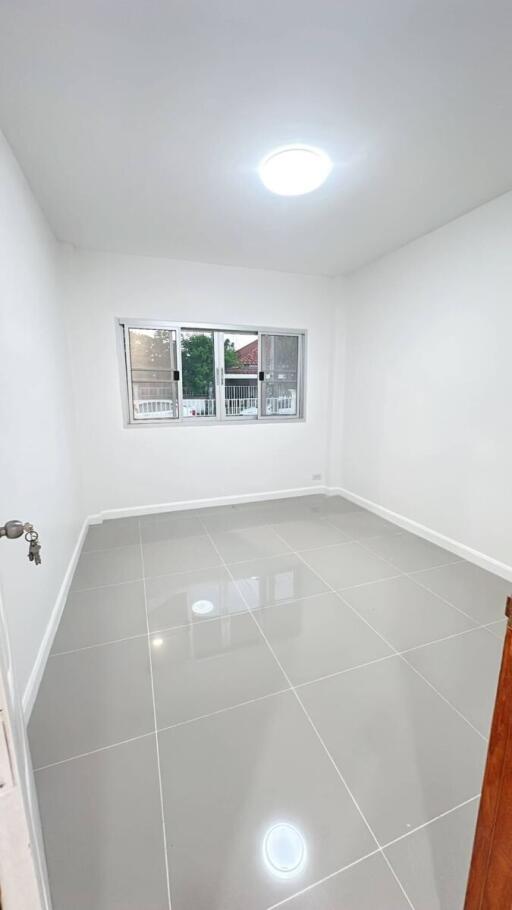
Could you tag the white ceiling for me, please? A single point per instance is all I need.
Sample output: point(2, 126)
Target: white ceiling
point(140, 125)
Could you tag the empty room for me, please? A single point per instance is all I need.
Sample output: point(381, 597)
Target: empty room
point(255, 459)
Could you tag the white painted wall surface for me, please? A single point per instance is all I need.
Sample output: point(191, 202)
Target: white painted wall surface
point(428, 400)
point(37, 470)
point(146, 466)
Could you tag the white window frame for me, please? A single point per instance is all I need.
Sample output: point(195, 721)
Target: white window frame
point(124, 324)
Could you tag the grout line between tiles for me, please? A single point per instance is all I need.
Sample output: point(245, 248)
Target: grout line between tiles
point(339, 594)
point(292, 688)
point(431, 821)
point(321, 881)
point(385, 846)
point(321, 741)
point(413, 576)
point(112, 584)
point(164, 630)
point(164, 832)
point(121, 742)
point(98, 644)
point(240, 704)
point(437, 641)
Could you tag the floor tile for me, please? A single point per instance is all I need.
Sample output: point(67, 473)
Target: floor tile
point(163, 557)
point(90, 699)
point(469, 588)
point(107, 567)
point(235, 518)
point(313, 532)
point(209, 666)
point(405, 614)
point(465, 670)
point(331, 505)
point(103, 831)
point(318, 636)
point(433, 863)
point(249, 543)
point(498, 628)
point(169, 526)
point(118, 532)
point(358, 525)
point(370, 885)
point(405, 754)
point(292, 509)
point(227, 782)
point(277, 580)
point(348, 564)
point(408, 552)
point(175, 600)
point(101, 614)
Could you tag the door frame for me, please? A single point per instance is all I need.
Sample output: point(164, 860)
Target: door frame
point(24, 874)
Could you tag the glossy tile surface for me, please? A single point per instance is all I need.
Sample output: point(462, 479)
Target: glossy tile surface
point(263, 582)
point(347, 564)
point(272, 695)
point(368, 886)
point(405, 755)
point(433, 863)
point(100, 615)
point(189, 597)
point(465, 670)
point(362, 524)
point(90, 699)
point(317, 636)
point(478, 593)
point(170, 526)
point(209, 666)
point(107, 567)
point(405, 614)
point(249, 543)
point(227, 781)
point(408, 552)
point(102, 830)
point(118, 532)
point(306, 533)
point(498, 628)
point(180, 554)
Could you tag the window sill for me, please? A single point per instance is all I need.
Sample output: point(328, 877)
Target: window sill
point(208, 422)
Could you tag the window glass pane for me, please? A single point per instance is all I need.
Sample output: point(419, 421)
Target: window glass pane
point(198, 373)
point(280, 364)
point(152, 362)
point(241, 374)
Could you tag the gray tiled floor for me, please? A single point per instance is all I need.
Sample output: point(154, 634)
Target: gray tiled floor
point(242, 702)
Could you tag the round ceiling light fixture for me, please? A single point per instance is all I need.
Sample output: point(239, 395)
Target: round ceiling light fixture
point(295, 170)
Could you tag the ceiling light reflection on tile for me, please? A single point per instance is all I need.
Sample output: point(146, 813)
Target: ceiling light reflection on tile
point(284, 850)
point(202, 607)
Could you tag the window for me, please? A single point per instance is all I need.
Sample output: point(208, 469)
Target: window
point(209, 374)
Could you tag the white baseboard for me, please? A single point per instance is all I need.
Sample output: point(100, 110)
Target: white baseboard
point(184, 504)
point(454, 546)
point(34, 680)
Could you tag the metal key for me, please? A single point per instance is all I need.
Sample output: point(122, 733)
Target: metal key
point(34, 547)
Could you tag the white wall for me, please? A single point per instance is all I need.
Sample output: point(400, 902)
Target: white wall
point(37, 470)
point(428, 400)
point(146, 466)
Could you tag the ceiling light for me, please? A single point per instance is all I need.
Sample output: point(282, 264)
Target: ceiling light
point(157, 642)
point(295, 170)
